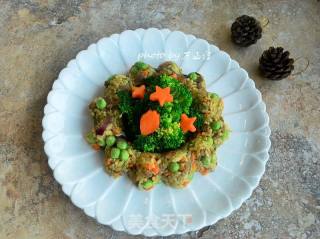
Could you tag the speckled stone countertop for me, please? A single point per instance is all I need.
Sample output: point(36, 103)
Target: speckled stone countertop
point(38, 38)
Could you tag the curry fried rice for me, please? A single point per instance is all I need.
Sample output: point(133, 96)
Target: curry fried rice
point(157, 125)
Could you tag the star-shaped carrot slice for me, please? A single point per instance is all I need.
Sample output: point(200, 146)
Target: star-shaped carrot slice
point(186, 123)
point(162, 95)
point(138, 91)
point(149, 122)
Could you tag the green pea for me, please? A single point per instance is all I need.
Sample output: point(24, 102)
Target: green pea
point(141, 65)
point(214, 96)
point(190, 176)
point(101, 103)
point(216, 125)
point(110, 140)
point(124, 155)
point(209, 141)
point(148, 184)
point(193, 76)
point(225, 135)
point(122, 144)
point(91, 137)
point(174, 167)
point(115, 153)
point(214, 159)
point(101, 141)
point(206, 161)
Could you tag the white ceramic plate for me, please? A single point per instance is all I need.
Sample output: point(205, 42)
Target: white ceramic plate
point(162, 211)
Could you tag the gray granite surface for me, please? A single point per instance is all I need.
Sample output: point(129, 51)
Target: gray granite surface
point(38, 38)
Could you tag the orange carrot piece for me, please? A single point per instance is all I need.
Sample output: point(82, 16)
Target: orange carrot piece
point(155, 169)
point(148, 166)
point(193, 156)
point(148, 189)
point(185, 183)
point(152, 167)
point(186, 123)
point(149, 122)
point(145, 73)
point(204, 171)
point(138, 91)
point(162, 95)
point(194, 165)
point(174, 75)
point(95, 146)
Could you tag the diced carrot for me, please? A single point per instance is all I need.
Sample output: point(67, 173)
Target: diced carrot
point(174, 75)
point(182, 166)
point(162, 95)
point(145, 73)
point(194, 165)
point(108, 161)
point(155, 169)
point(204, 171)
point(149, 122)
point(147, 189)
point(138, 91)
point(95, 146)
point(116, 131)
point(193, 156)
point(186, 123)
point(185, 183)
point(148, 166)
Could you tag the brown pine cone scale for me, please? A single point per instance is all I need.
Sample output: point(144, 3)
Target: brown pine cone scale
point(275, 63)
point(245, 31)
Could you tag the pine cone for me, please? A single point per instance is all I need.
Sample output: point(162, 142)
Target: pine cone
point(245, 31)
point(275, 64)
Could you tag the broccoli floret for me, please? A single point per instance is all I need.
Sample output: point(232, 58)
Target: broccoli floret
point(164, 81)
point(166, 114)
point(166, 120)
point(130, 113)
point(182, 97)
point(125, 102)
point(145, 143)
point(171, 137)
point(195, 112)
